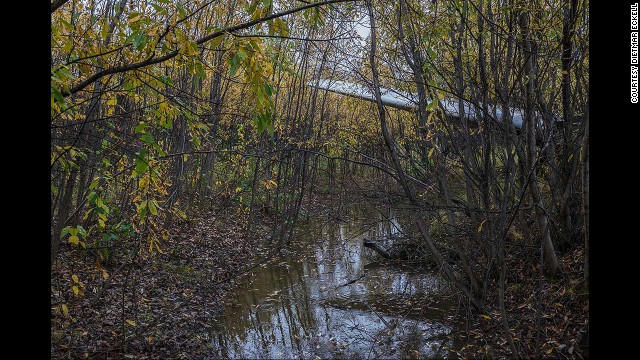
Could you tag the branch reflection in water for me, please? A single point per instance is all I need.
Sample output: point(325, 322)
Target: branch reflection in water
point(331, 298)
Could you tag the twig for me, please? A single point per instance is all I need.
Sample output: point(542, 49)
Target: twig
point(352, 281)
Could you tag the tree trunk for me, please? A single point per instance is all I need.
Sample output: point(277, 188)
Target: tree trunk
point(585, 197)
point(388, 140)
point(63, 214)
point(551, 261)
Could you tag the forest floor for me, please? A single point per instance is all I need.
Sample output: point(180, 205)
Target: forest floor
point(169, 299)
point(553, 325)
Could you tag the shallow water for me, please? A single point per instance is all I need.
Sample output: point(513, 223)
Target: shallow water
point(331, 299)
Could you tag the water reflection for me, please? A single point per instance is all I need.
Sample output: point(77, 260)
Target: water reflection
point(328, 301)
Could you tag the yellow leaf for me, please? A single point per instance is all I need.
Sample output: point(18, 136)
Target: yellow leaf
point(215, 42)
point(549, 351)
point(135, 18)
point(486, 317)
point(105, 274)
point(269, 184)
point(75, 290)
point(149, 338)
point(481, 225)
point(112, 101)
point(74, 239)
point(104, 31)
point(431, 152)
point(74, 278)
point(84, 68)
point(131, 322)
point(65, 310)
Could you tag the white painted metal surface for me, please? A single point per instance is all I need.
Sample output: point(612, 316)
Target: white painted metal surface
point(408, 101)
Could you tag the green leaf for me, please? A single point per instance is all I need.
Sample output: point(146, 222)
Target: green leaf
point(200, 70)
point(132, 36)
point(181, 11)
point(258, 120)
point(82, 231)
point(141, 166)
point(66, 24)
point(159, 9)
point(147, 139)
point(166, 80)
point(431, 53)
point(141, 162)
point(234, 65)
point(252, 7)
point(152, 207)
point(57, 95)
point(270, 126)
point(142, 210)
point(241, 54)
point(65, 231)
point(92, 197)
point(139, 42)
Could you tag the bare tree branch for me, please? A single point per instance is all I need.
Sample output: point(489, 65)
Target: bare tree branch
point(156, 60)
point(55, 4)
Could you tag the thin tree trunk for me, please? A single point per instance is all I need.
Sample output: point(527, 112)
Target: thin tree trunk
point(388, 140)
point(568, 21)
point(401, 177)
point(551, 261)
point(63, 214)
point(585, 197)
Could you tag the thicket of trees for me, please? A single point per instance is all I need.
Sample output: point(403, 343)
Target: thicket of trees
point(160, 106)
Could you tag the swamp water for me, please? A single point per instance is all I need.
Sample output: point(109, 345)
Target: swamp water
point(329, 298)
